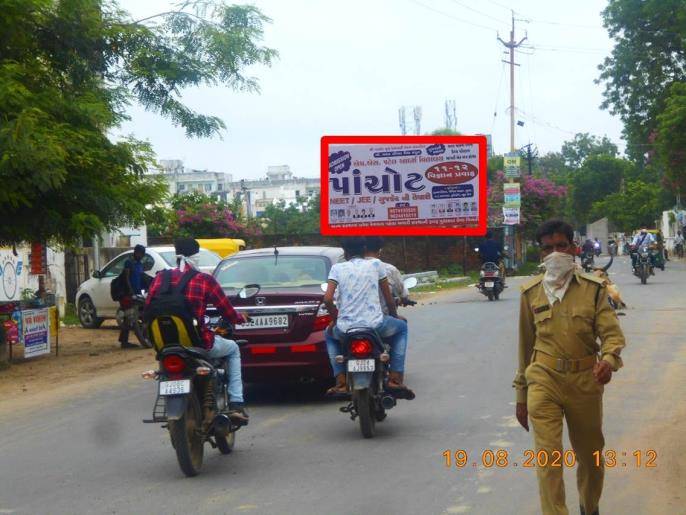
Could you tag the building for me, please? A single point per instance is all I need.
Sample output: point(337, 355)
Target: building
point(184, 180)
point(279, 185)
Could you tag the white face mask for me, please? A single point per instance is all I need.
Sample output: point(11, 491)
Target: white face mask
point(558, 267)
point(188, 261)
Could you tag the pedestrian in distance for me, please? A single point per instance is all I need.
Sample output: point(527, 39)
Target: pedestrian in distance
point(563, 370)
point(135, 281)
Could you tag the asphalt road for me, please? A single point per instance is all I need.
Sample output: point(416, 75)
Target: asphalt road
point(300, 455)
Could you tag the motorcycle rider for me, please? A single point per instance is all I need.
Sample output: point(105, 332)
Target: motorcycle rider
point(135, 279)
point(373, 246)
point(203, 289)
point(357, 283)
point(490, 251)
point(596, 247)
point(642, 239)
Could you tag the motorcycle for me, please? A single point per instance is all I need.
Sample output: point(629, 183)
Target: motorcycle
point(367, 359)
point(612, 248)
point(644, 266)
point(133, 317)
point(587, 261)
point(490, 281)
point(192, 397)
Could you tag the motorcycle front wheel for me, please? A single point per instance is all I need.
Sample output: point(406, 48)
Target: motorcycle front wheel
point(186, 438)
point(362, 399)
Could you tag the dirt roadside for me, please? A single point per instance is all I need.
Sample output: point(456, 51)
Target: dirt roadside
point(89, 359)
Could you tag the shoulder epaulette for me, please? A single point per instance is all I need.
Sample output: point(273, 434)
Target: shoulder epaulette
point(530, 283)
point(591, 277)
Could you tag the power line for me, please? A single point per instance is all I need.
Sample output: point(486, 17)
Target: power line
point(477, 11)
point(447, 15)
point(500, 5)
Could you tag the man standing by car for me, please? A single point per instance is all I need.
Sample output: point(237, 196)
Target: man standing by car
point(134, 281)
point(358, 282)
point(562, 369)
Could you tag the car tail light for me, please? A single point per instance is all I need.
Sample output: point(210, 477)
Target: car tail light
point(323, 319)
point(173, 363)
point(263, 349)
point(311, 347)
point(360, 348)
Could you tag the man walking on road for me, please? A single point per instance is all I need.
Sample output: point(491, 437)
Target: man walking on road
point(562, 312)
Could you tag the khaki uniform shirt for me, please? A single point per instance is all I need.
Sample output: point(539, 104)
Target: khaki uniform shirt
point(569, 329)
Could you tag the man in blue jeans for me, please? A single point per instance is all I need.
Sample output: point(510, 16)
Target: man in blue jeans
point(356, 284)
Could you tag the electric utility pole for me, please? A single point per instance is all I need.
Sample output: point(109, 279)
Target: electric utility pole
point(512, 44)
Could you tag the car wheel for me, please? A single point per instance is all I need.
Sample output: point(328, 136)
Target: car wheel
point(88, 315)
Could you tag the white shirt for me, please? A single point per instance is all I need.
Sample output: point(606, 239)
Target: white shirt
point(357, 283)
point(395, 281)
point(649, 238)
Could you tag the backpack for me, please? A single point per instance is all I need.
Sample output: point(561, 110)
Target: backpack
point(168, 315)
point(118, 287)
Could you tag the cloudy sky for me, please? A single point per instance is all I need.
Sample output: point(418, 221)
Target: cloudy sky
point(346, 68)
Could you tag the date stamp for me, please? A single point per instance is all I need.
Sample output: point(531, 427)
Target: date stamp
point(502, 458)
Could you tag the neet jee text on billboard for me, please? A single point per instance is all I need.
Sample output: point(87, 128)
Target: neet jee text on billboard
point(404, 185)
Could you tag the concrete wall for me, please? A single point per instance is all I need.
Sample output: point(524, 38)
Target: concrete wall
point(598, 229)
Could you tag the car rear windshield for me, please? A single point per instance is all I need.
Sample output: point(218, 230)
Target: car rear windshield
point(205, 258)
point(272, 272)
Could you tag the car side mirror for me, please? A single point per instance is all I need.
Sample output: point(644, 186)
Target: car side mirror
point(410, 282)
point(97, 274)
point(249, 290)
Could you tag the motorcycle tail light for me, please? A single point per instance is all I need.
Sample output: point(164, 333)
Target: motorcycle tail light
point(360, 348)
point(173, 363)
point(489, 274)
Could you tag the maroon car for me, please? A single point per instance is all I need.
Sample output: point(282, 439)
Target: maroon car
point(286, 331)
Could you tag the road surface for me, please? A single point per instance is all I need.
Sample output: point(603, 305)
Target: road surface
point(91, 453)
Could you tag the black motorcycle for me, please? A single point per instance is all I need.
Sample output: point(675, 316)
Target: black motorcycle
point(587, 261)
point(644, 265)
point(133, 318)
point(192, 398)
point(490, 283)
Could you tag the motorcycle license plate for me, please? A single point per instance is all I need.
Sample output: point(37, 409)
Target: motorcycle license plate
point(175, 387)
point(489, 284)
point(361, 365)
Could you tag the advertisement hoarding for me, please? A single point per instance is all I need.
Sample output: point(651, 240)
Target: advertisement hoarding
point(403, 185)
point(36, 330)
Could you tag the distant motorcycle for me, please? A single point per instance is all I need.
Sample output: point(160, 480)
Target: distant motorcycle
point(644, 266)
point(587, 261)
point(612, 248)
point(132, 317)
point(490, 281)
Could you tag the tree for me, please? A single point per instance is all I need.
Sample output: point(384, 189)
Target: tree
point(299, 218)
point(671, 137)
point(600, 175)
point(445, 131)
point(648, 57)
point(583, 146)
point(68, 70)
point(637, 206)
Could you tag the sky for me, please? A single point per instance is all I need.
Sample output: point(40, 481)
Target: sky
point(347, 67)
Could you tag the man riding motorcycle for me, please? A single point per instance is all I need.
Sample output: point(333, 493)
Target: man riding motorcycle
point(642, 239)
point(357, 283)
point(490, 251)
point(203, 289)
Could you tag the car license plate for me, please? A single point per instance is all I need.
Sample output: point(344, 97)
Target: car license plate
point(489, 284)
point(361, 365)
point(265, 322)
point(175, 387)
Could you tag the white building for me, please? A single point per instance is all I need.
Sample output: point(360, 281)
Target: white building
point(184, 180)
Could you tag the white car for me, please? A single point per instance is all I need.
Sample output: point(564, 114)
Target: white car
point(93, 301)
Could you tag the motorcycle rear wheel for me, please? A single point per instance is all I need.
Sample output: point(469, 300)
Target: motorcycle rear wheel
point(186, 438)
point(141, 333)
point(364, 405)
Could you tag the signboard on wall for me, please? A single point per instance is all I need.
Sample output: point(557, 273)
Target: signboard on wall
point(511, 164)
point(510, 215)
point(10, 271)
point(512, 194)
point(403, 185)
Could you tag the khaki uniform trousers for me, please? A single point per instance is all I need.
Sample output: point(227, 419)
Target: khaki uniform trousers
point(576, 396)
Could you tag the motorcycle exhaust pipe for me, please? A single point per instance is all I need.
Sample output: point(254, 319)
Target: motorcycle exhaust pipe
point(222, 424)
point(388, 402)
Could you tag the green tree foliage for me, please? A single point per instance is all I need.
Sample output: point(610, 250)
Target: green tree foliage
point(600, 176)
point(637, 206)
point(445, 131)
point(583, 146)
point(68, 70)
point(671, 137)
point(294, 219)
point(648, 57)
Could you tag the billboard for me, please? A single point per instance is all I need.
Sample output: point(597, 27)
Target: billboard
point(403, 185)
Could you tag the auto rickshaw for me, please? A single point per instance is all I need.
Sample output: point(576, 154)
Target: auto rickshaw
point(222, 246)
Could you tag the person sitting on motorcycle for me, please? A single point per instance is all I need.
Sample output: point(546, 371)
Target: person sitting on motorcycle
point(679, 244)
point(135, 283)
point(490, 251)
point(641, 240)
point(588, 247)
point(597, 247)
point(201, 290)
point(356, 284)
point(373, 246)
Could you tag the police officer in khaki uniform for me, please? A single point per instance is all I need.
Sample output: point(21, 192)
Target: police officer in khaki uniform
point(562, 369)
